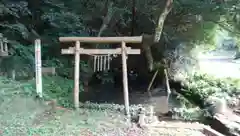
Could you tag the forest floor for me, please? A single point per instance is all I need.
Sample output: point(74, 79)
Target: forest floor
point(22, 115)
point(26, 117)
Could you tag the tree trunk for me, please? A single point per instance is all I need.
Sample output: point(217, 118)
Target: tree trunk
point(149, 40)
point(161, 19)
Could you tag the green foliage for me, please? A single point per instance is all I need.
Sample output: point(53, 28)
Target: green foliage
point(60, 89)
point(191, 21)
point(21, 61)
point(189, 114)
point(199, 87)
point(53, 88)
point(84, 18)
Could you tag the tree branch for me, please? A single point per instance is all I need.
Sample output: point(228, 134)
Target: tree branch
point(149, 40)
point(106, 19)
point(161, 20)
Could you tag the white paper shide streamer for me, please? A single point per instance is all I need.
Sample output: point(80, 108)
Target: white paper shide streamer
point(101, 62)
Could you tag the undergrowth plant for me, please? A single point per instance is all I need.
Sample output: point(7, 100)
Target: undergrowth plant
point(198, 87)
point(54, 87)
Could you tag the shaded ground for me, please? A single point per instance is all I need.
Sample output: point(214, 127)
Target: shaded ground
point(26, 117)
point(181, 108)
point(107, 93)
point(21, 115)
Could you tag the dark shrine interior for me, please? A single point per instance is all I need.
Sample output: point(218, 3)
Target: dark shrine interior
point(107, 86)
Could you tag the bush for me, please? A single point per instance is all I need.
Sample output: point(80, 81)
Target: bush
point(200, 86)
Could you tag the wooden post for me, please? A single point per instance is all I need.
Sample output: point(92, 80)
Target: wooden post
point(1, 42)
point(167, 82)
point(38, 67)
point(5, 45)
point(76, 75)
point(150, 84)
point(125, 79)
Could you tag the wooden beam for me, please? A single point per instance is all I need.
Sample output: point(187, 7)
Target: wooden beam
point(125, 79)
point(211, 132)
point(3, 53)
point(134, 39)
point(71, 50)
point(76, 76)
point(48, 70)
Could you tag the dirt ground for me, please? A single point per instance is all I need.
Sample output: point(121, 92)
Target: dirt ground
point(27, 117)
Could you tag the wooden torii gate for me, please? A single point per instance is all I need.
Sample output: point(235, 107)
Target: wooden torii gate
point(123, 51)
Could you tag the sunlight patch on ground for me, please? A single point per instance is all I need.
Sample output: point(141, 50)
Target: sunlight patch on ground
point(220, 64)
